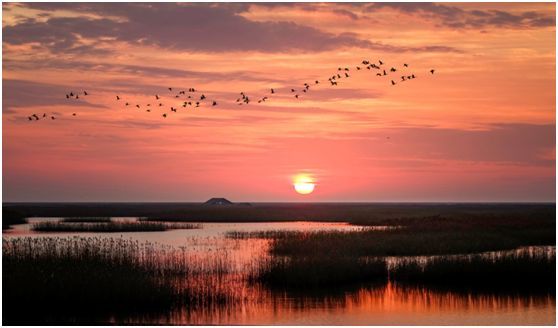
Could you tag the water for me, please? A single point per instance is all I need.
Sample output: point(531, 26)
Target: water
point(385, 304)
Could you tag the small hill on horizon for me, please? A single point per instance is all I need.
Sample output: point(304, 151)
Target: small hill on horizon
point(218, 201)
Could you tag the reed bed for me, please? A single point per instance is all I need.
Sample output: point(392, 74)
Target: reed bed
point(86, 279)
point(88, 219)
point(314, 272)
point(263, 234)
point(399, 242)
point(110, 226)
point(510, 272)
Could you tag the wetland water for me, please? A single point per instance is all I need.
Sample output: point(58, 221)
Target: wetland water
point(384, 304)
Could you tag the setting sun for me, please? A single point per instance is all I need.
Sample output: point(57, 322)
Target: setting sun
point(304, 184)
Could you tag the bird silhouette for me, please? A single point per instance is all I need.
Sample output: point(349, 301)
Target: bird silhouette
point(392, 82)
point(432, 71)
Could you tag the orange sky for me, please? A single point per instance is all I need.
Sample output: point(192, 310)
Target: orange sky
point(482, 128)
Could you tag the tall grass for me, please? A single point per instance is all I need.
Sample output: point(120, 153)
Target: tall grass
point(92, 279)
point(317, 271)
point(89, 219)
point(110, 226)
point(399, 242)
point(510, 272)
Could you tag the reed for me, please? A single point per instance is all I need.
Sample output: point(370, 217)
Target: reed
point(110, 226)
point(510, 272)
point(92, 279)
point(92, 219)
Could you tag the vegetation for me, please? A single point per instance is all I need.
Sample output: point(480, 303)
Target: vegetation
point(110, 226)
point(264, 234)
point(92, 279)
point(358, 213)
point(321, 271)
point(512, 272)
point(93, 219)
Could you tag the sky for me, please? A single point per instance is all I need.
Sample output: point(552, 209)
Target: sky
point(480, 129)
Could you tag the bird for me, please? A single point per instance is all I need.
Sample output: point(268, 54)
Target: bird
point(170, 89)
point(117, 98)
point(296, 96)
point(214, 103)
point(30, 118)
point(138, 106)
point(157, 97)
point(85, 93)
point(165, 115)
point(272, 91)
point(432, 71)
point(127, 104)
point(393, 69)
point(52, 118)
point(358, 68)
point(406, 65)
point(346, 75)
point(202, 97)
point(292, 90)
point(44, 115)
point(35, 116)
point(392, 82)
point(74, 114)
point(317, 82)
point(67, 96)
point(385, 72)
point(378, 74)
point(148, 110)
point(381, 62)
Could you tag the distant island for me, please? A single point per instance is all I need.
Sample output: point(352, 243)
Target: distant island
point(218, 201)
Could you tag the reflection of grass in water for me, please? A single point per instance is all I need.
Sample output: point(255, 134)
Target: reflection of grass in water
point(65, 279)
point(109, 226)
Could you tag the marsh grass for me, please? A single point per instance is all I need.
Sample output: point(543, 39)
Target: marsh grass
point(510, 272)
point(93, 219)
point(314, 272)
point(263, 234)
point(92, 279)
point(404, 242)
point(109, 226)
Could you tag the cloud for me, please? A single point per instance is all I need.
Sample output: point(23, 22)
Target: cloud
point(20, 93)
point(198, 27)
point(454, 17)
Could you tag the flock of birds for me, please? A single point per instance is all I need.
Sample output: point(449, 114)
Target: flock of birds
point(195, 99)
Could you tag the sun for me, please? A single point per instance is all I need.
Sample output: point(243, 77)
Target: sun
point(304, 184)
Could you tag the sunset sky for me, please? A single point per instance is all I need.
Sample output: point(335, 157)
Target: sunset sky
point(482, 128)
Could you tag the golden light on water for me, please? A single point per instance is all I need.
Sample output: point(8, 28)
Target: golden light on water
point(304, 184)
